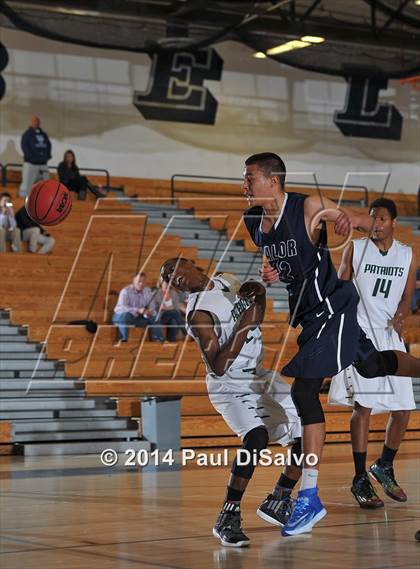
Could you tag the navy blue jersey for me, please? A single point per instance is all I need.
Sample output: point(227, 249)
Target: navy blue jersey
point(305, 268)
point(324, 305)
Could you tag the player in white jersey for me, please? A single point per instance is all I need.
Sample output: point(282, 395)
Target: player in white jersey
point(383, 271)
point(223, 317)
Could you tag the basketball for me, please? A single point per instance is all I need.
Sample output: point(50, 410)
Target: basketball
point(48, 203)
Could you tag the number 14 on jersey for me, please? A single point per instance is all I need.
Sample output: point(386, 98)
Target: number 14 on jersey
point(382, 286)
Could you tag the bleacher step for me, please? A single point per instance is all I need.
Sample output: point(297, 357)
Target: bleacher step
point(28, 374)
point(32, 393)
point(107, 434)
point(60, 414)
point(193, 233)
point(9, 330)
point(213, 245)
point(42, 374)
point(20, 347)
point(67, 425)
point(156, 207)
point(281, 305)
point(41, 384)
point(16, 338)
point(7, 374)
point(89, 413)
point(25, 415)
point(46, 404)
point(91, 447)
point(18, 356)
point(13, 364)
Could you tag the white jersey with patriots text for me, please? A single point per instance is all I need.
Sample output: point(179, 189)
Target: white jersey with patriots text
point(226, 309)
point(380, 281)
point(247, 395)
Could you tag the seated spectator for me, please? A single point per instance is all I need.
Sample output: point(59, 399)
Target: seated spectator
point(8, 227)
point(69, 175)
point(136, 307)
point(171, 310)
point(33, 233)
point(183, 299)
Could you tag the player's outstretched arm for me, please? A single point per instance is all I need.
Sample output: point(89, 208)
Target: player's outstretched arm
point(220, 358)
point(345, 272)
point(323, 209)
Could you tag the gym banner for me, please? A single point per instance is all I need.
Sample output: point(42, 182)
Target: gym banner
point(364, 116)
point(176, 92)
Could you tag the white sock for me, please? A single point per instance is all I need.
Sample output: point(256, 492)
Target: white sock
point(309, 478)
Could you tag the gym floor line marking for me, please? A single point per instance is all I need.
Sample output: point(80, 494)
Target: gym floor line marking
point(184, 538)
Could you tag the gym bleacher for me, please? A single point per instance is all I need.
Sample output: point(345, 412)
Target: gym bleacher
point(98, 249)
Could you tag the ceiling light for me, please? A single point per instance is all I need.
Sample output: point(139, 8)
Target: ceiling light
point(288, 46)
point(76, 12)
point(314, 39)
point(417, 2)
point(260, 55)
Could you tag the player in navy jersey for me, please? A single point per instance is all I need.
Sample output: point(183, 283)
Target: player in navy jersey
point(290, 229)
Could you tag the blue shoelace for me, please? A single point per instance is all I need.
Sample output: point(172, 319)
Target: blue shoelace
point(300, 506)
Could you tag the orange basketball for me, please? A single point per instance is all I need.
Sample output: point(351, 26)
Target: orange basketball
point(48, 203)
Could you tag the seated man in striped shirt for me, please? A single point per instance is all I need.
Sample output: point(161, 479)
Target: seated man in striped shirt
point(8, 228)
point(136, 307)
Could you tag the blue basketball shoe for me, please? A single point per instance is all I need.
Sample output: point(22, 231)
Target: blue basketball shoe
point(307, 512)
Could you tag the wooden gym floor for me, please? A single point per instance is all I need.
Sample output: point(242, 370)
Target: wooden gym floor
point(74, 513)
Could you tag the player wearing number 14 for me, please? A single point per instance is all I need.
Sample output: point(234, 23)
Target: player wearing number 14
point(384, 273)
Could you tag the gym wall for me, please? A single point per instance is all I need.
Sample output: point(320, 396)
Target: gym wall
point(84, 97)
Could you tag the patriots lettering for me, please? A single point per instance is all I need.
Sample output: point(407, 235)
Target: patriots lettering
point(389, 271)
point(239, 308)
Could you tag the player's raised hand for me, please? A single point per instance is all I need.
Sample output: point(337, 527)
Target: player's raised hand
point(343, 224)
point(268, 274)
point(252, 291)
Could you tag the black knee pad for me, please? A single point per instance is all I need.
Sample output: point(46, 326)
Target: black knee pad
point(305, 395)
point(256, 439)
point(254, 442)
point(378, 364)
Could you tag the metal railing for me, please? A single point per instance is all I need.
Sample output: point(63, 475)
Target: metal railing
point(4, 168)
point(174, 190)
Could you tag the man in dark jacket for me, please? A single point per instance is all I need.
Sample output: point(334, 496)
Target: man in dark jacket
point(33, 233)
point(36, 148)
